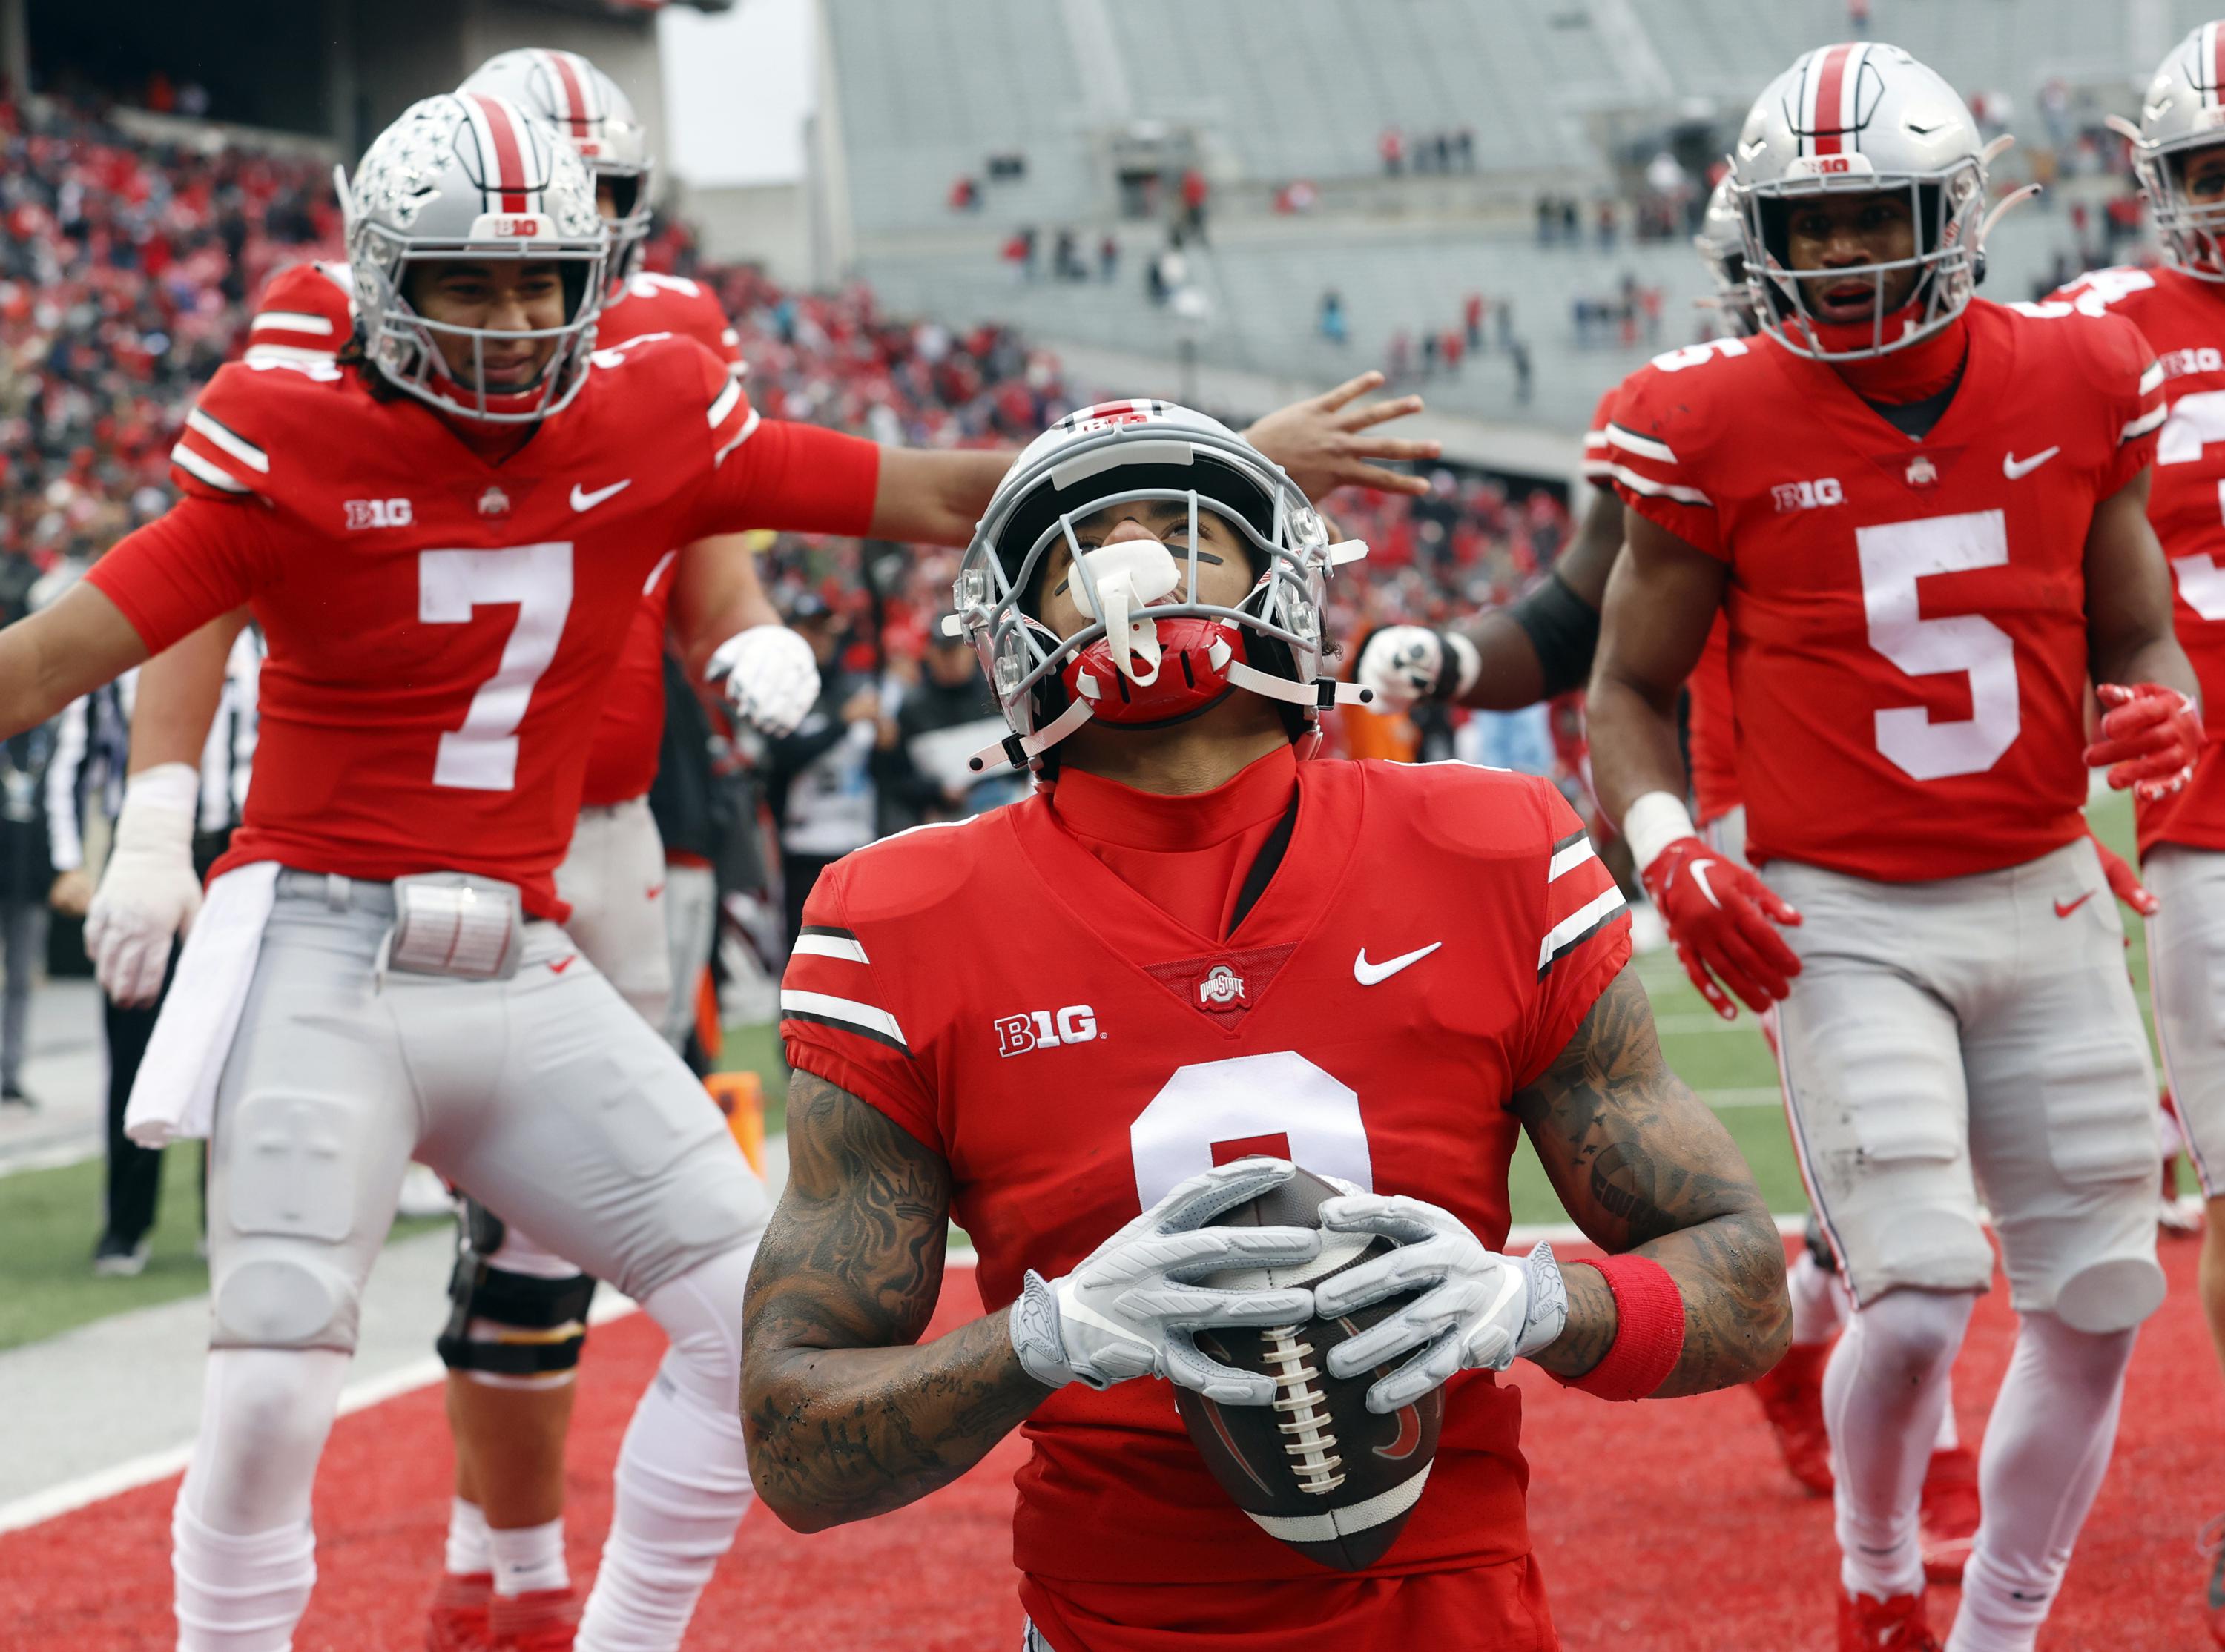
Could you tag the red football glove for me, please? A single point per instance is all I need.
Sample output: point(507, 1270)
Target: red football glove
point(2125, 882)
point(1721, 915)
point(2151, 736)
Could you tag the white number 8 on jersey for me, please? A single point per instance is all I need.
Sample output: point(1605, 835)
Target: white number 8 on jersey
point(1281, 1104)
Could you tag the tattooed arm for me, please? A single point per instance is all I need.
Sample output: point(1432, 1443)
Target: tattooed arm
point(845, 1417)
point(1644, 1167)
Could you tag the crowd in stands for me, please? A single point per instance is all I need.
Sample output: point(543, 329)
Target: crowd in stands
point(125, 278)
point(124, 270)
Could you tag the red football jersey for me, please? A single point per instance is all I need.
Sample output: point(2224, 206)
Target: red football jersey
point(622, 760)
point(442, 628)
point(1907, 619)
point(1429, 943)
point(308, 312)
point(2182, 317)
point(1597, 466)
point(305, 313)
point(1711, 734)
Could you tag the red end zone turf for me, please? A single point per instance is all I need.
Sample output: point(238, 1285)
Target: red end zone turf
point(1661, 1528)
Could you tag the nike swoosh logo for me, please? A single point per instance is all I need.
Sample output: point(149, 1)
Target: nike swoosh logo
point(583, 500)
point(1368, 974)
point(2064, 909)
point(2015, 468)
point(656, 890)
point(562, 964)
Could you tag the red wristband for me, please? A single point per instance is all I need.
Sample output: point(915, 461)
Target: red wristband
point(1649, 1332)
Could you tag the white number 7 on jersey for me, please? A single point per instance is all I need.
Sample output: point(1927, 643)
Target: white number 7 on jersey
point(482, 754)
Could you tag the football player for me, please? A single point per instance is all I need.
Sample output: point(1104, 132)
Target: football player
point(1920, 570)
point(2179, 152)
point(518, 1327)
point(378, 973)
point(1066, 1024)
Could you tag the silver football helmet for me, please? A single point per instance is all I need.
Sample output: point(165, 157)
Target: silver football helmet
point(2184, 110)
point(1722, 246)
point(472, 176)
point(1857, 119)
point(1154, 654)
point(587, 106)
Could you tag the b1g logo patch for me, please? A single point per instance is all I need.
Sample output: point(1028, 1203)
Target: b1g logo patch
point(379, 513)
point(1807, 496)
point(1043, 1029)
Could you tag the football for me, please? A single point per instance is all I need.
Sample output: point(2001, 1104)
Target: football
point(1317, 1469)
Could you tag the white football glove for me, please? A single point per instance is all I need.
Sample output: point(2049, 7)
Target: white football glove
point(148, 895)
point(1477, 1308)
point(1130, 1309)
point(772, 679)
point(1404, 663)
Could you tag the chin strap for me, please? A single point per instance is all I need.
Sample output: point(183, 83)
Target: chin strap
point(1018, 750)
point(2014, 198)
point(1322, 693)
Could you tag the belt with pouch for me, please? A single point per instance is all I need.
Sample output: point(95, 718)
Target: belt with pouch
point(453, 924)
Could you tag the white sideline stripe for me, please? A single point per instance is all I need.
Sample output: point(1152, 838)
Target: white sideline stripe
point(70, 1495)
point(725, 404)
point(846, 1009)
point(1645, 446)
point(217, 436)
point(186, 459)
point(831, 946)
point(1524, 1236)
point(294, 321)
point(2146, 422)
point(1646, 485)
point(1568, 859)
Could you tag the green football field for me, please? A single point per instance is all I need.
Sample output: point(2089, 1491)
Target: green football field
point(49, 1218)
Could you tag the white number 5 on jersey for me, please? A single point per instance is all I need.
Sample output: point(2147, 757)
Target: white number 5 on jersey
point(1895, 556)
point(482, 754)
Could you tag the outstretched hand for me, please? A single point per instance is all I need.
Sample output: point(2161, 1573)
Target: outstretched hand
point(1326, 441)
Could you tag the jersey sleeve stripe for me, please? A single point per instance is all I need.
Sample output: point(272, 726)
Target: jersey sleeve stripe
point(847, 1013)
point(292, 355)
point(1651, 489)
point(194, 465)
point(1645, 446)
point(829, 943)
point(1567, 858)
point(725, 404)
point(2141, 426)
point(1579, 926)
point(228, 441)
point(2152, 379)
point(749, 429)
point(291, 321)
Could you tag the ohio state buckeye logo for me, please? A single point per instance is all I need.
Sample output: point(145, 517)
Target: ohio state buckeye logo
point(1222, 989)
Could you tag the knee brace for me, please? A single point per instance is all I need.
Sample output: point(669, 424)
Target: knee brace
point(508, 1325)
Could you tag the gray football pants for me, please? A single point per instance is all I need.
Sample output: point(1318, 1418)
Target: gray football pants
point(1967, 1034)
point(546, 1095)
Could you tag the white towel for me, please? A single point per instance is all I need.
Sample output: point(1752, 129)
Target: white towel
point(175, 1095)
